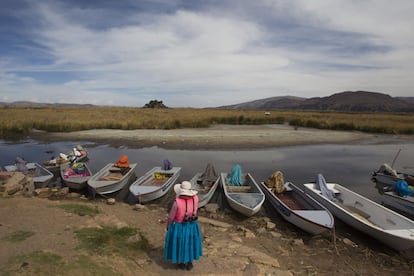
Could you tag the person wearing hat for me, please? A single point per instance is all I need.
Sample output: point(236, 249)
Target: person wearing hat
point(183, 242)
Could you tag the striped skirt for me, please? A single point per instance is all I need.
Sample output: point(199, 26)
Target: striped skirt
point(183, 242)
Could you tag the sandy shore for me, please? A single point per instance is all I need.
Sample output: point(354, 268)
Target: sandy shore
point(220, 137)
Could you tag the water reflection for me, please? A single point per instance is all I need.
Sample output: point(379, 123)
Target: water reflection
point(350, 165)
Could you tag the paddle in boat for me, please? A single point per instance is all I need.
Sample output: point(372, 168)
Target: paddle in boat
point(155, 183)
point(242, 191)
point(365, 215)
point(205, 183)
point(112, 178)
point(295, 206)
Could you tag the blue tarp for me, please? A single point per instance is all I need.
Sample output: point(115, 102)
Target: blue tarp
point(236, 176)
point(402, 189)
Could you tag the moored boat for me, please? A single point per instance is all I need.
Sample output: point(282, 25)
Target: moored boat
point(39, 174)
point(365, 215)
point(205, 183)
point(77, 154)
point(388, 176)
point(402, 204)
point(244, 194)
point(75, 176)
point(298, 208)
point(154, 184)
point(113, 177)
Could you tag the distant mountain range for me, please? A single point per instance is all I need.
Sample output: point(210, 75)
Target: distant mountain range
point(349, 101)
point(34, 104)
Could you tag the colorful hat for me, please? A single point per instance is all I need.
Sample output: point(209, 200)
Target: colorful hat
point(184, 189)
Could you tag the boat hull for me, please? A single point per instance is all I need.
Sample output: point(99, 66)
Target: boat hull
point(154, 184)
point(109, 186)
point(247, 203)
point(204, 194)
point(300, 209)
point(40, 175)
point(55, 168)
point(404, 204)
point(76, 182)
point(384, 179)
point(369, 217)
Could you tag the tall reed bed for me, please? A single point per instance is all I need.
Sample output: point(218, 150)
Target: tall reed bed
point(65, 119)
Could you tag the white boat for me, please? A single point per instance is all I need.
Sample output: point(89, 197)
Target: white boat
point(247, 198)
point(367, 216)
point(111, 179)
point(402, 204)
point(154, 184)
point(40, 175)
point(75, 176)
point(298, 208)
point(205, 186)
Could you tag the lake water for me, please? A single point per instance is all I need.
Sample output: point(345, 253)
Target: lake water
point(349, 165)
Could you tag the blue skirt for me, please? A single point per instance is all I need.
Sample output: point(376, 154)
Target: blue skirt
point(183, 242)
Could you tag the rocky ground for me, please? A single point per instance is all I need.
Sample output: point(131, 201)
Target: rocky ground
point(259, 245)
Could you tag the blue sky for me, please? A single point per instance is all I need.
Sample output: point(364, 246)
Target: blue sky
point(202, 53)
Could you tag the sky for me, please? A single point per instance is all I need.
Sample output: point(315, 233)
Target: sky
point(202, 53)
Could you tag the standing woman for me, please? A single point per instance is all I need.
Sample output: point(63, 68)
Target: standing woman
point(183, 243)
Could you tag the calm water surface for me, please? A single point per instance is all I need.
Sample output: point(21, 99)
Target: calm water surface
point(349, 165)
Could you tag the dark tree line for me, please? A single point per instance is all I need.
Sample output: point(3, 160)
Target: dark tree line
point(155, 104)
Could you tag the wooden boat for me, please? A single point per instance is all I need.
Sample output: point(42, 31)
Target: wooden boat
point(246, 199)
point(205, 188)
point(75, 176)
point(40, 175)
point(53, 165)
point(154, 184)
point(367, 216)
point(111, 179)
point(298, 208)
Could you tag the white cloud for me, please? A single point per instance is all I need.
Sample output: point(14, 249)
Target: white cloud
point(213, 57)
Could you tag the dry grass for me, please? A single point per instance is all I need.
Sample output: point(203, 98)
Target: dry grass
point(65, 119)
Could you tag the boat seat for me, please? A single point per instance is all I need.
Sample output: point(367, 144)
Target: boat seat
point(238, 189)
point(158, 182)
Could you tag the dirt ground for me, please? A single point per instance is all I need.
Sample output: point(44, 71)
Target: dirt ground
point(232, 245)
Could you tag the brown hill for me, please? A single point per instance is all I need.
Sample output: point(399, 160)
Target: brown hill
point(348, 101)
point(359, 101)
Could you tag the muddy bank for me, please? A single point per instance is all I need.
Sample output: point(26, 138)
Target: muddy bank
point(218, 137)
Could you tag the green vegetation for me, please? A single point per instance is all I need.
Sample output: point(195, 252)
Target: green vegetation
point(81, 210)
point(18, 236)
point(46, 263)
point(112, 240)
point(64, 119)
point(99, 252)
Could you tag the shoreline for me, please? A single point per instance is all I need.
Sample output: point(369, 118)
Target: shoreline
point(221, 137)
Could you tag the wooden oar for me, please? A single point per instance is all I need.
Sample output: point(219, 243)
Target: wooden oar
point(395, 158)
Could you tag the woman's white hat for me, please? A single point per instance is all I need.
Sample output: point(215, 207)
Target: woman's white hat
point(184, 189)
